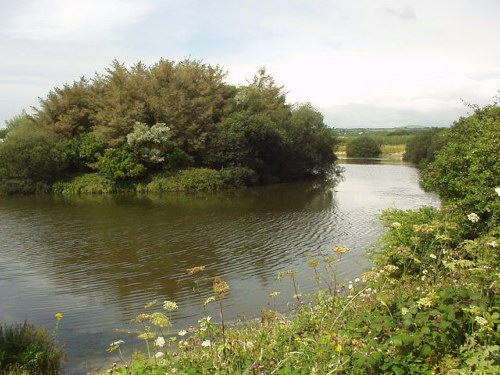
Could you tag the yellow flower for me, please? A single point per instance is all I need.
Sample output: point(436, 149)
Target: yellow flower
point(339, 348)
point(195, 270)
point(59, 316)
point(220, 287)
point(341, 249)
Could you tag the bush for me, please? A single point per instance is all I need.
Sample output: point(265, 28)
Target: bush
point(466, 171)
point(120, 164)
point(363, 147)
point(25, 349)
point(30, 158)
point(91, 183)
point(422, 148)
point(189, 180)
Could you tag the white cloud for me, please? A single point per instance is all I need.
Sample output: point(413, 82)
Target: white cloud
point(66, 20)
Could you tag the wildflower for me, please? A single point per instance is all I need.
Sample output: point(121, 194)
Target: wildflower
point(208, 300)
point(59, 316)
point(159, 355)
point(497, 190)
point(160, 320)
point(206, 343)
point(339, 348)
point(350, 285)
point(313, 263)
point(195, 270)
point(220, 287)
point(433, 256)
point(357, 280)
point(473, 217)
point(341, 249)
point(275, 294)
point(115, 346)
point(424, 302)
point(424, 228)
point(395, 225)
point(160, 342)
point(481, 321)
point(492, 243)
point(404, 311)
point(182, 332)
point(170, 306)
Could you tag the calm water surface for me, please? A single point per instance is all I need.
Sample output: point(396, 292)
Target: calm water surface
point(99, 260)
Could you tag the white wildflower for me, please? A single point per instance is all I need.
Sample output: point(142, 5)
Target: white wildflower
point(170, 306)
point(206, 343)
point(357, 280)
point(433, 256)
point(182, 332)
point(497, 190)
point(492, 243)
point(160, 342)
point(481, 321)
point(159, 355)
point(395, 225)
point(473, 217)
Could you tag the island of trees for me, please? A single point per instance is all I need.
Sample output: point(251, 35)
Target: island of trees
point(173, 126)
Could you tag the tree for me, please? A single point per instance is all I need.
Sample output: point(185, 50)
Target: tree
point(30, 158)
point(310, 143)
point(422, 148)
point(363, 147)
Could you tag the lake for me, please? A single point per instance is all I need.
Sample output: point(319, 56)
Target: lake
point(99, 260)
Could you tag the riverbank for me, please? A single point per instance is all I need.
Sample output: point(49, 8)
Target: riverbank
point(426, 306)
point(389, 152)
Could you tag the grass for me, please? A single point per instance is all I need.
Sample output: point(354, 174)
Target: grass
point(26, 350)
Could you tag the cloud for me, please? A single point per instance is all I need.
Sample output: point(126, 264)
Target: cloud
point(59, 20)
point(405, 14)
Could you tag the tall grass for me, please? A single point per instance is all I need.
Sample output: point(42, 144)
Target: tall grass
point(24, 349)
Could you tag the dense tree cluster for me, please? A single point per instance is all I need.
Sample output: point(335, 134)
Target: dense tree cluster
point(422, 148)
point(363, 147)
point(139, 122)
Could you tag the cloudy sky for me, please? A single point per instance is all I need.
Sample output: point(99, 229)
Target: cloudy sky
point(363, 63)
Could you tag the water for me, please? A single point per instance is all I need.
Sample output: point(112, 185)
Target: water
point(99, 260)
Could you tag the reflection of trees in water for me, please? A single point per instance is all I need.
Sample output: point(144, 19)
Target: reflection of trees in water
point(131, 248)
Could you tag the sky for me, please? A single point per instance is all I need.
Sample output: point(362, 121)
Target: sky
point(362, 63)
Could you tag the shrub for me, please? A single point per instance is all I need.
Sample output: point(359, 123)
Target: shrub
point(25, 349)
point(189, 180)
point(90, 183)
point(422, 148)
point(363, 147)
point(120, 164)
point(466, 171)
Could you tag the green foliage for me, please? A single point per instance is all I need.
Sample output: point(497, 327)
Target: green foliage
point(363, 147)
point(150, 144)
point(120, 164)
point(466, 170)
point(90, 183)
point(25, 349)
point(131, 123)
point(422, 148)
point(189, 180)
point(83, 152)
point(30, 158)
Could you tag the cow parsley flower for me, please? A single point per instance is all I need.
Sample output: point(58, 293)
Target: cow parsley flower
point(473, 217)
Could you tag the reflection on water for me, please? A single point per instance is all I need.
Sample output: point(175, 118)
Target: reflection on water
point(100, 259)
